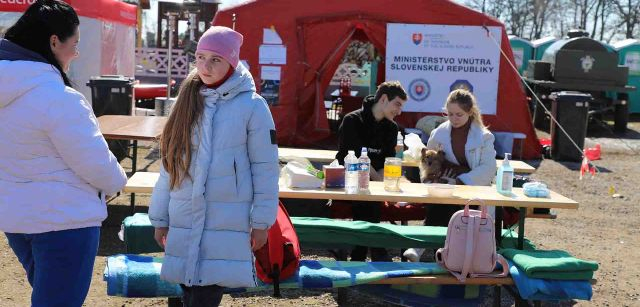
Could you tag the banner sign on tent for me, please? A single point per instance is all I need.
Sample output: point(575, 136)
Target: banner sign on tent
point(108, 10)
point(270, 84)
point(432, 60)
point(15, 5)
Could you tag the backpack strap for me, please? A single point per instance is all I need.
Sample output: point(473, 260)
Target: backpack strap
point(505, 269)
point(473, 227)
point(483, 207)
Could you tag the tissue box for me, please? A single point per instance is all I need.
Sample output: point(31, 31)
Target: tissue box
point(333, 176)
point(297, 176)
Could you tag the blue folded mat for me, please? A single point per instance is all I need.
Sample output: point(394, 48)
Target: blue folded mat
point(549, 289)
point(139, 276)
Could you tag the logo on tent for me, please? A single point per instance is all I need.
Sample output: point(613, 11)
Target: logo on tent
point(417, 38)
point(419, 89)
point(461, 84)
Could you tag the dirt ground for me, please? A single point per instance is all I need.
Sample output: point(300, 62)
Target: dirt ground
point(604, 229)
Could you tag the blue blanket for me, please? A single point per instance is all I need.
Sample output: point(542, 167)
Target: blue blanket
point(139, 276)
point(549, 289)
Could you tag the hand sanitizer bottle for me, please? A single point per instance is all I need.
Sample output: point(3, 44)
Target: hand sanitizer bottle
point(399, 145)
point(504, 179)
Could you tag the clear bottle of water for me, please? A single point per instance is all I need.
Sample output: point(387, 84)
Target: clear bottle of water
point(351, 169)
point(363, 174)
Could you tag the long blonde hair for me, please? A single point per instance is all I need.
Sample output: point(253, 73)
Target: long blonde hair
point(175, 142)
point(467, 102)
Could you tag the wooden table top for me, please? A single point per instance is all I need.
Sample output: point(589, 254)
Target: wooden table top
point(126, 127)
point(143, 182)
point(327, 156)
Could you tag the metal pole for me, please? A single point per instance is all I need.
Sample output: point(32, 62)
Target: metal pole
point(233, 19)
point(172, 21)
point(192, 26)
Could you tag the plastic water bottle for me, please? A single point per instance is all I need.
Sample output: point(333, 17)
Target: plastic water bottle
point(399, 146)
point(351, 170)
point(504, 179)
point(363, 174)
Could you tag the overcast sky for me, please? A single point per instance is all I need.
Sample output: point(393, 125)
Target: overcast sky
point(226, 3)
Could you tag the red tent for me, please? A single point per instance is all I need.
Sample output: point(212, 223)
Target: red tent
point(316, 34)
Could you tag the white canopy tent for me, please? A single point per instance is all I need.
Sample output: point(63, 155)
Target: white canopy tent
point(107, 38)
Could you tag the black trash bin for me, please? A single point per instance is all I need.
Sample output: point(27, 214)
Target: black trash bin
point(571, 110)
point(112, 95)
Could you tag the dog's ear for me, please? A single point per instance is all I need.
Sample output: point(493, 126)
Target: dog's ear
point(423, 151)
point(441, 155)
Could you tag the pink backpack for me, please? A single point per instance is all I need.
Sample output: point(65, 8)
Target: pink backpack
point(470, 247)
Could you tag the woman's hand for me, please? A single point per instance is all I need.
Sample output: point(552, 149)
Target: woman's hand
point(258, 238)
point(450, 176)
point(375, 175)
point(160, 234)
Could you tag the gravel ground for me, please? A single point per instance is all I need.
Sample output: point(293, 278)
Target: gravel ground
point(604, 229)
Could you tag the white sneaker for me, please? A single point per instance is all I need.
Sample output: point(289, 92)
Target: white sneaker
point(413, 254)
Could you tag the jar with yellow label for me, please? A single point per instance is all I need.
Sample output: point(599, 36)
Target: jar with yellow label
point(392, 174)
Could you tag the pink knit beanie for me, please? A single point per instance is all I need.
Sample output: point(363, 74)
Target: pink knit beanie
point(223, 41)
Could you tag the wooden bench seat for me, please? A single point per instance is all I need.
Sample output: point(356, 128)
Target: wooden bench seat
point(445, 280)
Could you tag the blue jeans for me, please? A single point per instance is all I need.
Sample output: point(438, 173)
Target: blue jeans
point(59, 264)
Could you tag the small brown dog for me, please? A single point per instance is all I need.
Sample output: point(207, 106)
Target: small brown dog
point(431, 165)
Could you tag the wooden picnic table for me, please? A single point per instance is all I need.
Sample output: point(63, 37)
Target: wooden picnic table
point(327, 156)
point(142, 182)
point(132, 128)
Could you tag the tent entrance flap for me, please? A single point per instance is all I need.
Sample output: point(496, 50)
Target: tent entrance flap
point(352, 80)
point(321, 63)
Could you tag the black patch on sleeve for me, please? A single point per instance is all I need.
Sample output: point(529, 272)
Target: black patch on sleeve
point(274, 140)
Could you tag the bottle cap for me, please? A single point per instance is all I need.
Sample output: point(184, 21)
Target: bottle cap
point(506, 159)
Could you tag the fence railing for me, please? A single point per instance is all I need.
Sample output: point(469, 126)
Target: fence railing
point(152, 62)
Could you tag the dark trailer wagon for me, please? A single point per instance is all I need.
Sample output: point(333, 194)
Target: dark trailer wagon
point(584, 65)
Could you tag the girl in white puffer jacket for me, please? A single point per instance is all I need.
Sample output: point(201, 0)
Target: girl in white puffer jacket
point(218, 189)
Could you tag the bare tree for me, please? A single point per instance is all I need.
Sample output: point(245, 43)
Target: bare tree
point(517, 16)
point(540, 14)
point(488, 7)
point(628, 12)
point(605, 11)
point(533, 19)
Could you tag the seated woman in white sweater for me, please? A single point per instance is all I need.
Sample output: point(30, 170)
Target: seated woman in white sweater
point(469, 154)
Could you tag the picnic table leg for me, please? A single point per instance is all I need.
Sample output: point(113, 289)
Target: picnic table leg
point(403, 258)
point(134, 159)
point(523, 215)
point(174, 302)
point(497, 299)
point(498, 222)
point(343, 296)
point(516, 296)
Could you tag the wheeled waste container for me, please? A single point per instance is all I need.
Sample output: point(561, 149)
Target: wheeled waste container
point(112, 95)
point(571, 110)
